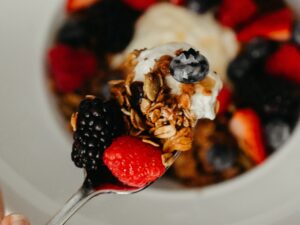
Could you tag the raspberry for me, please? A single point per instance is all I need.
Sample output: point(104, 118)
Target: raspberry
point(70, 68)
point(133, 162)
point(140, 4)
point(96, 126)
point(234, 13)
point(285, 62)
point(77, 5)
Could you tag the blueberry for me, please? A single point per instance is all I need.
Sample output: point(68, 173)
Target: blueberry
point(276, 132)
point(250, 62)
point(296, 33)
point(222, 157)
point(73, 33)
point(201, 6)
point(189, 67)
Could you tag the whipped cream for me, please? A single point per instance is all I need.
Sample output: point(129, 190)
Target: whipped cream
point(202, 105)
point(165, 23)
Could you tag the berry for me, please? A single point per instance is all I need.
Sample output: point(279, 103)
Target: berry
point(224, 99)
point(296, 33)
point(189, 67)
point(201, 6)
point(251, 60)
point(285, 62)
point(222, 157)
point(234, 13)
point(70, 68)
point(110, 24)
point(77, 5)
point(245, 125)
point(178, 2)
point(270, 97)
point(274, 25)
point(73, 33)
point(140, 5)
point(276, 133)
point(97, 125)
point(134, 162)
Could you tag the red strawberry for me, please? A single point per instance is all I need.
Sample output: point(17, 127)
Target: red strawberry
point(70, 68)
point(76, 5)
point(274, 25)
point(246, 127)
point(233, 13)
point(178, 2)
point(133, 162)
point(285, 62)
point(140, 4)
point(224, 99)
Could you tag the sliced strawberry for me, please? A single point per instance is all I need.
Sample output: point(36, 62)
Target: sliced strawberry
point(274, 25)
point(285, 62)
point(76, 5)
point(70, 68)
point(133, 162)
point(140, 4)
point(224, 99)
point(246, 127)
point(233, 13)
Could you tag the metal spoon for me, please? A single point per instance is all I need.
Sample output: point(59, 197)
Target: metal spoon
point(93, 185)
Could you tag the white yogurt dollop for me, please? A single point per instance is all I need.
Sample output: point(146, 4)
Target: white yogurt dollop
point(164, 23)
point(202, 105)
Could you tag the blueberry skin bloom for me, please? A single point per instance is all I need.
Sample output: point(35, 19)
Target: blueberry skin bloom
point(189, 67)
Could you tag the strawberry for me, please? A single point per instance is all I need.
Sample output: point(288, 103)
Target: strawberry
point(70, 68)
point(224, 99)
point(133, 162)
point(178, 2)
point(140, 4)
point(233, 13)
point(77, 5)
point(245, 125)
point(274, 25)
point(285, 62)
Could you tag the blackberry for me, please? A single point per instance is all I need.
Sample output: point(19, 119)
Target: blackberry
point(296, 33)
point(250, 62)
point(189, 67)
point(97, 124)
point(73, 33)
point(271, 97)
point(110, 24)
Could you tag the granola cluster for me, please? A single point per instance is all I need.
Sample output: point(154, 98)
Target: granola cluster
point(152, 113)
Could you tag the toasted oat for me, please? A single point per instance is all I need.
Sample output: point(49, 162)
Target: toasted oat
point(150, 142)
point(145, 105)
point(165, 132)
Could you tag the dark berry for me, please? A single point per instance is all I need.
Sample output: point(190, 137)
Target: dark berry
point(250, 61)
point(201, 6)
point(97, 124)
point(276, 132)
point(271, 97)
point(270, 5)
point(73, 33)
point(296, 33)
point(189, 67)
point(222, 157)
point(110, 24)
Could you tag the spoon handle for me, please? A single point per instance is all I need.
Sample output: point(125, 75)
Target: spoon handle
point(82, 196)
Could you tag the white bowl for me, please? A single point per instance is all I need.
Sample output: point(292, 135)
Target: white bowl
point(37, 175)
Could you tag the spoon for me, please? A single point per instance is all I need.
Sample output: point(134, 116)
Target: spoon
point(94, 185)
